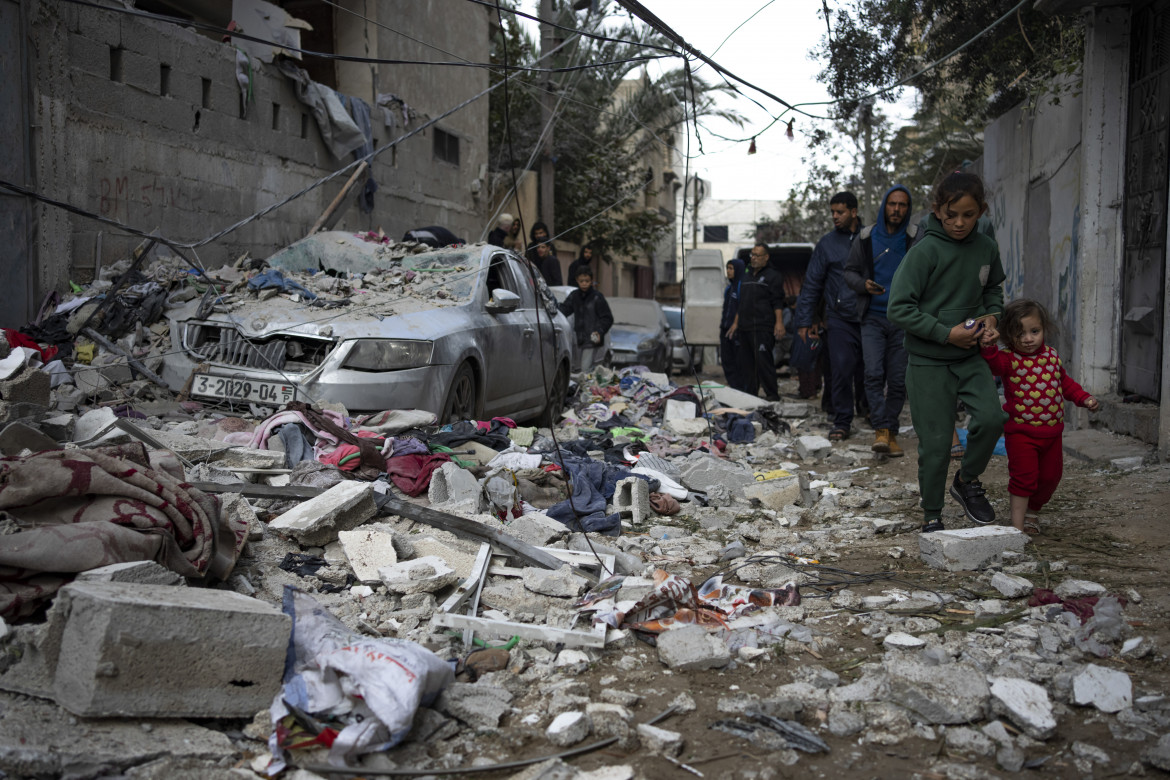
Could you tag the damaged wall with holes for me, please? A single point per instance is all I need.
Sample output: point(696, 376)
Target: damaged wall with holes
point(160, 126)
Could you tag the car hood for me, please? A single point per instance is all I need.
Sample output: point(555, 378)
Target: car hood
point(627, 336)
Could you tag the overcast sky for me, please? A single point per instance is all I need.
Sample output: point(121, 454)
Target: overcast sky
point(771, 51)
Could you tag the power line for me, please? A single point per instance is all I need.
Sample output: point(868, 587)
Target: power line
point(582, 33)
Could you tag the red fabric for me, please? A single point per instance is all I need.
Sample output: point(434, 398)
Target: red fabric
point(17, 339)
point(1035, 465)
point(334, 458)
point(412, 473)
point(1033, 388)
point(1083, 607)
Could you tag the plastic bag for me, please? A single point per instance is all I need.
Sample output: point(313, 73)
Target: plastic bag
point(373, 686)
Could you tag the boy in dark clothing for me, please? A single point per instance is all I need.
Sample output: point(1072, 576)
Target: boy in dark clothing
point(728, 346)
point(825, 278)
point(592, 318)
point(758, 323)
point(876, 254)
point(545, 260)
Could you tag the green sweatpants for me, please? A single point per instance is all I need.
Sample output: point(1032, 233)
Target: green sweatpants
point(933, 391)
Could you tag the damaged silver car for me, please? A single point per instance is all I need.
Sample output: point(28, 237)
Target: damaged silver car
point(460, 331)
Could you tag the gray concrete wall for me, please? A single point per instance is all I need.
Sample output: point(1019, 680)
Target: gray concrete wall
point(187, 163)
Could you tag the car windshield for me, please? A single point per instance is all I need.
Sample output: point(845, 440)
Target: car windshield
point(634, 311)
point(674, 317)
point(453, 269)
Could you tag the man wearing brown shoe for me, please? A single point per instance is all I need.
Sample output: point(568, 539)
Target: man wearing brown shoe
point(873, 258)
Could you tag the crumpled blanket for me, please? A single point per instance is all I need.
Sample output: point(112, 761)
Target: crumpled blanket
point(412, 473)
point(81, 509)
point(593, 484)
point(496, 435)
point(393, 421)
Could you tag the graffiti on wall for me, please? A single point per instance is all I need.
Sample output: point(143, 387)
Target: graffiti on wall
point(1008, 222)
point(142, 196)
point(1064, 256)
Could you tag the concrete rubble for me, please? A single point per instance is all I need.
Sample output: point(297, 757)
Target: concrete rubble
point(943, 648)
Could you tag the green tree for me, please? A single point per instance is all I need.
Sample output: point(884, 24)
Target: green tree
point(604, 130)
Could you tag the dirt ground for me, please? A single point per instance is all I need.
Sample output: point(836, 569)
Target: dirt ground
point(1106, 527)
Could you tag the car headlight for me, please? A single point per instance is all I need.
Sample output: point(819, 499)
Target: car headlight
point(388, 354)
point(648, 345)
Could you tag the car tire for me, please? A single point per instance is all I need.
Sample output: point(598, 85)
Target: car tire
point(556, 399)
point(462, 397)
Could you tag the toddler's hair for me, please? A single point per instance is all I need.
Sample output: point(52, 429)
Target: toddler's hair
point(1011, 324)
point(955, 186)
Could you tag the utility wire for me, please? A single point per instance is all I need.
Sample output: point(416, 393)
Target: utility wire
point(583, 33)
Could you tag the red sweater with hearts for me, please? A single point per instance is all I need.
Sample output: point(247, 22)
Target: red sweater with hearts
point(1034, 388)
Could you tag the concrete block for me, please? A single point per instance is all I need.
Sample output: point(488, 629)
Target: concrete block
point(561, 583)
point(659, 741)
point(59, 427)
point(368, 549)
point(679, 410)
point(568, 728)
point(236, 509)
point(1075, 589)
point(91, 382)
point(476, 704)
point(700, 473)
point(537, 529)
point(139, 572)
point(117, 371)
point(695, 426)
point(225, 652)
point(775, 493)
point(900, 640)
point(727, 396)
point(795, 409)
point(632, 499)
point(968, 549)
point(452, 484)
point(420, 575)
point(612, 720)
point(30, 386)
point(1011, 586)
point(1025, 704)
point(691, 647)
point(317, 521)
point(248, 458)
point(1109, 690)
point(813, 447)
point(951, 693)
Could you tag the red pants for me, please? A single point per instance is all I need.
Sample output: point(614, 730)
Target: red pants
point(1035, 465)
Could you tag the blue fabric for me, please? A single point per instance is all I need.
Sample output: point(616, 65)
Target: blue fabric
point(885, 358)
point(297, 446)
point(888, 250)
point(594, 483)
point(274, 278)
point(731, 296)
point(826, 276)
point(740, 429)
point(1000, 446)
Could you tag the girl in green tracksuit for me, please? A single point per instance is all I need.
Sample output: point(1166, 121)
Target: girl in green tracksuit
point(953, 275)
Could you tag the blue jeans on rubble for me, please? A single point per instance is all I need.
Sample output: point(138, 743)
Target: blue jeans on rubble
point(884, 357)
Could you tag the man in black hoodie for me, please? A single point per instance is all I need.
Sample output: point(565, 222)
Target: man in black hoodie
point(875, 255)
point(545, 262)
point(759, 323)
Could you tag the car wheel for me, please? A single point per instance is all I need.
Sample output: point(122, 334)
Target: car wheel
point(462, 398)
point(556, 399)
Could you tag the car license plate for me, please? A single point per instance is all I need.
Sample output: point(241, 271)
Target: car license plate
point(270, 393)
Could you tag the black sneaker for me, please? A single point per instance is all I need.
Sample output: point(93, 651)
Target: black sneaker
point(973, 499)
point(932, 525)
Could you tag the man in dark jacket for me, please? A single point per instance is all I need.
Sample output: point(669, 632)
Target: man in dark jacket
point(825, 279)
point(592, 318)
point(728, 346)
point(876, 254)
point(545, 260)
point(758, 323)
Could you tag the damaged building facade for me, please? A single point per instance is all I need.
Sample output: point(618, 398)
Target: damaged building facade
point(165, 127)
point(1078, 191)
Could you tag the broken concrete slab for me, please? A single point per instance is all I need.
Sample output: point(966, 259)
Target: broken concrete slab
point(736, 399)
point(419, 575)
point(478, 705)
point(700, 472)
point(659, 741)
point(537, 529)
point(813, 447)
point(317, 522)
point(368, 549)
point(140, 572)
point(679, 410)
point(1102, 447)
point(693, 426)
point(968, 549)
point(1010, 586)
point(562, 583)
point(30, 386)
point(115, 637)
point(774, 493)
point(247, 458)
point(1025, 704)
point(1109, 690)
point(1075, 589)
point(691, 647)
point(951, 693)
point(16, 437)
point(452, 485)
point(900, 640)
point(568, 728)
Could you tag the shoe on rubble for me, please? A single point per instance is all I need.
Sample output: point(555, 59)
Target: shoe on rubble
point(895, 450)
point(973, 499)
point(932, 525)
point(881, 440)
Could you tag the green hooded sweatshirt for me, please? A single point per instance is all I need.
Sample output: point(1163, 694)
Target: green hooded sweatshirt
point(940, 283)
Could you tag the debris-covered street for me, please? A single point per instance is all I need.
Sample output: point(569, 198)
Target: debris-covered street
point(192, 589)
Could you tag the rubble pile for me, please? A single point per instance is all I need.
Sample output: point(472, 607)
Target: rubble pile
point(665, 568)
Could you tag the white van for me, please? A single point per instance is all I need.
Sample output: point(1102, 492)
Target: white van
point(704, 277)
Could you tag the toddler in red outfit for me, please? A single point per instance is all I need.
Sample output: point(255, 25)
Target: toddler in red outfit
point(1035, 385)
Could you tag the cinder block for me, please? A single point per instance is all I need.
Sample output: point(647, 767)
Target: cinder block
point(813, 447)
point(88, 55)
point(632, 498)
point(453, 484)
point(967, 549)
point(317, 521)
point(158, 651)
point(30, 386)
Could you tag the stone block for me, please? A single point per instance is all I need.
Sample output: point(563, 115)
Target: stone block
point(632, 499)
point(968, 549)
point(561, 583)
point(952, 693)
point(30, 386)
point(691, 647)
point(224, 652)
point(368, 549)
point(248, 458)
point(568, 728)
point(420, 575)
point(702, 472)
point(537, 529)
point(235, 508)
point(679, 410)
point(774, 493)
point(813, 447)
point(317, 522)
point(1010, 586)
point(59, 427)
point(1109, 690)
point(139, 572)
point(900, 640)
point(1024, 703)
point(659, 741)
point(453, 484)
point(1075, 589)
point(476, 704)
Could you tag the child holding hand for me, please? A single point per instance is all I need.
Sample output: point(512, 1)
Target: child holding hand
point(1035, 385)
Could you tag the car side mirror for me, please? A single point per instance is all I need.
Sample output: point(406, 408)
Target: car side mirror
point(502, 301)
